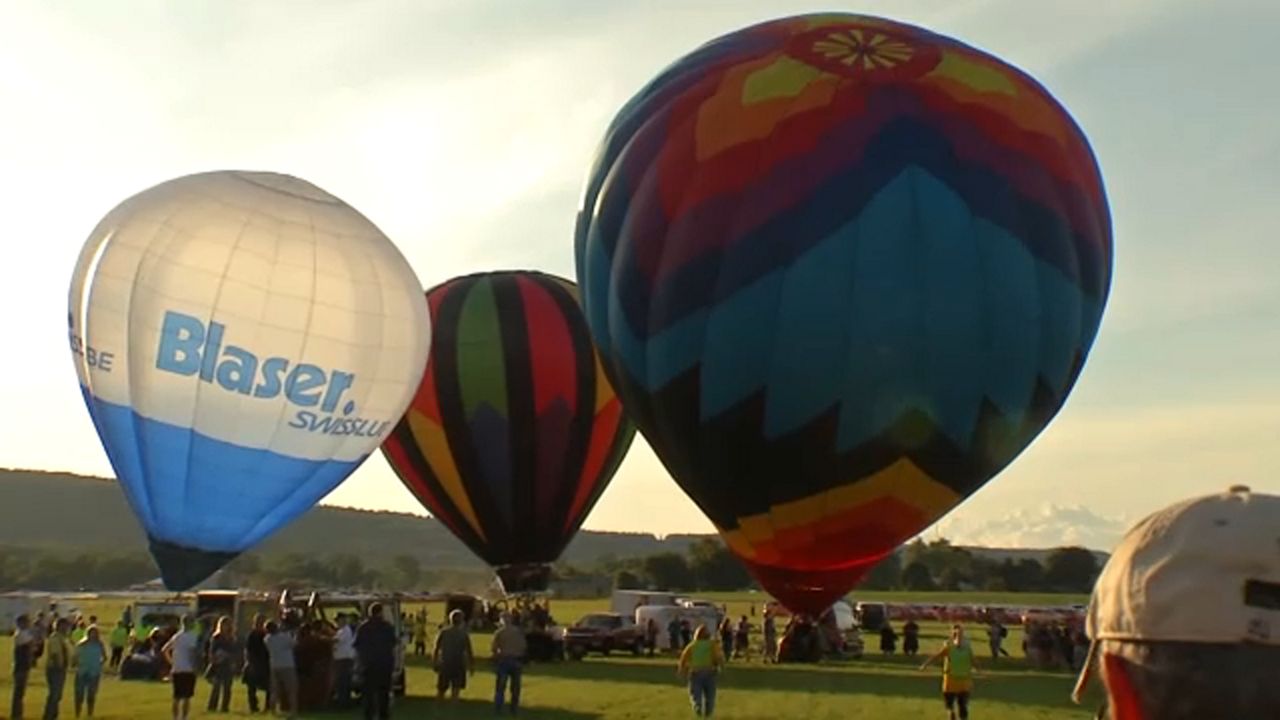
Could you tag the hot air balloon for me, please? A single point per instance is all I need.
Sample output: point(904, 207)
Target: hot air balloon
point(244, 340)
point(842, 271)
point(514, 432)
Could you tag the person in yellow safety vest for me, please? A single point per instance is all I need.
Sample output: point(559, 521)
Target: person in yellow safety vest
point(79, 631)
point(958, 670)
point(119, 639)
point(700, 662)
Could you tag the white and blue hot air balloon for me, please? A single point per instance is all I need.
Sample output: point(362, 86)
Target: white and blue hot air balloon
point(244, 340)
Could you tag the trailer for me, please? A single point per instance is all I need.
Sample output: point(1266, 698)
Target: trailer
point(20, 603)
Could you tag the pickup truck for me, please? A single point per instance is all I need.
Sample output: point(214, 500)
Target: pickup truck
point(603, 633)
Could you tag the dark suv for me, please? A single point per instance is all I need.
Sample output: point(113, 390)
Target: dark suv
point(603, 633)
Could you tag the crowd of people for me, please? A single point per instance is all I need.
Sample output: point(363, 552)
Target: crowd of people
point(1184, 623)
point(275, 654)
point(67, 648)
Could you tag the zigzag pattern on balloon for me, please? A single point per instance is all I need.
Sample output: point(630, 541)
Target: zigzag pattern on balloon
point(808, 461)
point(841, 271)
point(948, 360)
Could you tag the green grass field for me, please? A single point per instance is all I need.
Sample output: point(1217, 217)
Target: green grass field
point(648, 689)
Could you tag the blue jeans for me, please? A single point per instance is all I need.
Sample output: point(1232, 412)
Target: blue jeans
point(57, 679)
point(702, 691)
point(86, 691)
point(508, 668)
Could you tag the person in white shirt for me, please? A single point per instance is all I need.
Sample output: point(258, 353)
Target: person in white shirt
point(344, 659)
point(182, 650)
point(284, 670)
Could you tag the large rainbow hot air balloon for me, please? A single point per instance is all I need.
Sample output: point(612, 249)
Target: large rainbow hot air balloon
point(842, 270)
point(514, 432)
point(243, 340)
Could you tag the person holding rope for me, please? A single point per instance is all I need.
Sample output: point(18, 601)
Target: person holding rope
point(958, 668)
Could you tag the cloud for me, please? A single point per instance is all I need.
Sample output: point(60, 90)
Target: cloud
point(1047, 526)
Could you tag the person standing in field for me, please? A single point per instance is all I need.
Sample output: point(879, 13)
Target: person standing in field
point(257, 664)
point(452, 657)
point(699, 665)
point(79, 630)
point(90, 656)
point(910, 638)
point(742, 640)
point(958, 668)
point(995, 638)
point(183, 653)
point(770, 637)
point(509, 650)
point(344, 659)
point(221, 653)
point(420, 634)
point(58, 653)
point(284, 669)
point(375, 645)
point(119, 639)
point(24, 641)
point(726, 636)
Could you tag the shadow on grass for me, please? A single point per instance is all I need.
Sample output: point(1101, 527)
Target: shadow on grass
point(420, 707)
point(1011, 682)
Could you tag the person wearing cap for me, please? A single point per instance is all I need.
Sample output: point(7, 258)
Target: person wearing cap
point(958, 667)
point(1184, 620)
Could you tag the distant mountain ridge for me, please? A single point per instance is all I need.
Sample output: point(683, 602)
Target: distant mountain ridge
point(91, 513)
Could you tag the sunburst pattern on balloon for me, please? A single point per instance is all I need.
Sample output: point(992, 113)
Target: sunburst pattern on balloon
point(868, 50)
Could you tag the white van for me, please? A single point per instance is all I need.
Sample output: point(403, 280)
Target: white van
point(664, 614)
point(625, 602)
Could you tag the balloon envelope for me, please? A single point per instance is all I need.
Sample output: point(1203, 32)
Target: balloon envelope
point(243, 341)
point(514, 432)
point(842, 270)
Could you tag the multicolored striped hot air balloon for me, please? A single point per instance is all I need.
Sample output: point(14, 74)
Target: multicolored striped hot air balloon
point(842, 270)
point(514, 432)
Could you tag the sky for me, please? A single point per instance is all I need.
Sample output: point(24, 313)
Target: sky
point(465, 128)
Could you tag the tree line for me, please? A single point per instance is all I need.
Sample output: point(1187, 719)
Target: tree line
point(59, 570)
point(939, 565)
point(919, 566)
point(706, 566)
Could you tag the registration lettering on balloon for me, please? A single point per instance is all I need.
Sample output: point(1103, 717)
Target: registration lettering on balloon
point(842, 271)
point(264, 336)
point(94, 358)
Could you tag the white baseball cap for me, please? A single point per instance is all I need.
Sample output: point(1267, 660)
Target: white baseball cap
point(1204, 570)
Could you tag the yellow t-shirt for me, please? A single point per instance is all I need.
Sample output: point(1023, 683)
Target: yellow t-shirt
point(957, 669)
